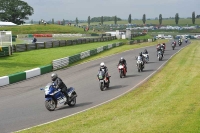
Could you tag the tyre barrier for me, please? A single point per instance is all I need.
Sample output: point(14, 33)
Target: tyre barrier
point(63, 62)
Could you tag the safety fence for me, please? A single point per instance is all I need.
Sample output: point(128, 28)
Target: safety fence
point(58, 43)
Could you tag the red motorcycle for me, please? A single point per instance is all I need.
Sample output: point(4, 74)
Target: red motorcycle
point(122, 70)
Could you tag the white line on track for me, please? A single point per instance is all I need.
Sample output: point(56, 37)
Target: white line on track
point(112, 98)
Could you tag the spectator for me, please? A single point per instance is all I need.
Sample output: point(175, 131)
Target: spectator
point(34, 40)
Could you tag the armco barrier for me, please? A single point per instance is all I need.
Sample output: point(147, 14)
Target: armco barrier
point(4, 80)
point(13, 78)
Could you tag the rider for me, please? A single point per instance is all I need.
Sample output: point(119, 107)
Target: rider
point(145, 51)
point(59, 84)
point(142, 57)
point(159, 49)
point(179, 40)
point(123, 62)
point(105, 69)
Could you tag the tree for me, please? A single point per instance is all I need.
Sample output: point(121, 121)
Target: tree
point(15, 11)
point(32, 21)
point(115, 19)
point(160, 19)
point(88, 20)
point(101, 20)
point(129, 19)
point(52, 21)
point(193, 17)
point(144, 18)
point(176, 18)
point(76, 21)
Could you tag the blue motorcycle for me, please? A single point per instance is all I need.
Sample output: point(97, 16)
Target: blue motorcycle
point(54, 97)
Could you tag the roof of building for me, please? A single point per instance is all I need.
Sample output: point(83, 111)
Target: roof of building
point(6, 23)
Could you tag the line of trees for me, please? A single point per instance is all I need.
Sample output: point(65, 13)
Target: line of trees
point(17, 11)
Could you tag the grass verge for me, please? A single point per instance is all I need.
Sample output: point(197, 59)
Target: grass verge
point(168, 102)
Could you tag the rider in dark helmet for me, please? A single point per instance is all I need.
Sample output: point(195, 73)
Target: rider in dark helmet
point(123, 62)
point(59, 84)
point(145, 51)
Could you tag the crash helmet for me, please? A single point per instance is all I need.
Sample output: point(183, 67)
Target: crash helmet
point(54, 76)
point(102, 64)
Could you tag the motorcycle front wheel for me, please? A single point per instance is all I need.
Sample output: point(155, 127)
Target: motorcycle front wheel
point(72, 102)
point(101, 86)
point(50, 105)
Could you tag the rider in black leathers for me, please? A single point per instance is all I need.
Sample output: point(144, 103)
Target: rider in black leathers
point(145, 52)
point(123, 62)
point(59, 84)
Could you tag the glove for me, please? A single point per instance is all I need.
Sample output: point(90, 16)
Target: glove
point(57, 86)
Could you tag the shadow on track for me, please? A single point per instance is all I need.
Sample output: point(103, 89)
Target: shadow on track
point(77, 105)
point(148, 70)
point(115, 87)
point(128, 76)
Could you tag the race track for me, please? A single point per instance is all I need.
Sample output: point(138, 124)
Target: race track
point(22, 103)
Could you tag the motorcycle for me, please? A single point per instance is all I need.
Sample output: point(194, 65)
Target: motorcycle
point(173, 46)
point(104, 81)
point(54, 97)
point(186, 40)
point(179, 43)
point(122, 70)
point(159, 55)
point(140, 65)
point(146, 58)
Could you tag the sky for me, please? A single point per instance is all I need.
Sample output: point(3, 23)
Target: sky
point(70, 9)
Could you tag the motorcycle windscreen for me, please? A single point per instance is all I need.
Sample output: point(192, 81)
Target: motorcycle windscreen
point(49, 89)
point(101, 75)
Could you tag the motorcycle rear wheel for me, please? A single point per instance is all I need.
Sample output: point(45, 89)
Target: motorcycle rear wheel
point(50, 105)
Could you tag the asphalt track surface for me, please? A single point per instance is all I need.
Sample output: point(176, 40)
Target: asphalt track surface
point(22, 104)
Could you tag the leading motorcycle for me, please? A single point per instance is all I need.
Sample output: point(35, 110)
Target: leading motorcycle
point(104, 80)
point(54, 97)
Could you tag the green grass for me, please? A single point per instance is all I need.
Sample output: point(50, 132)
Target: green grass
point(139, 22)
point(166, 103)
point(41, 29)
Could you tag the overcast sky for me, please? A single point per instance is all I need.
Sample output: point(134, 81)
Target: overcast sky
point(70, 9)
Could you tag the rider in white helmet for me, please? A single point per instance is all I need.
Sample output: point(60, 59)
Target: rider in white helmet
point(105, 69)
